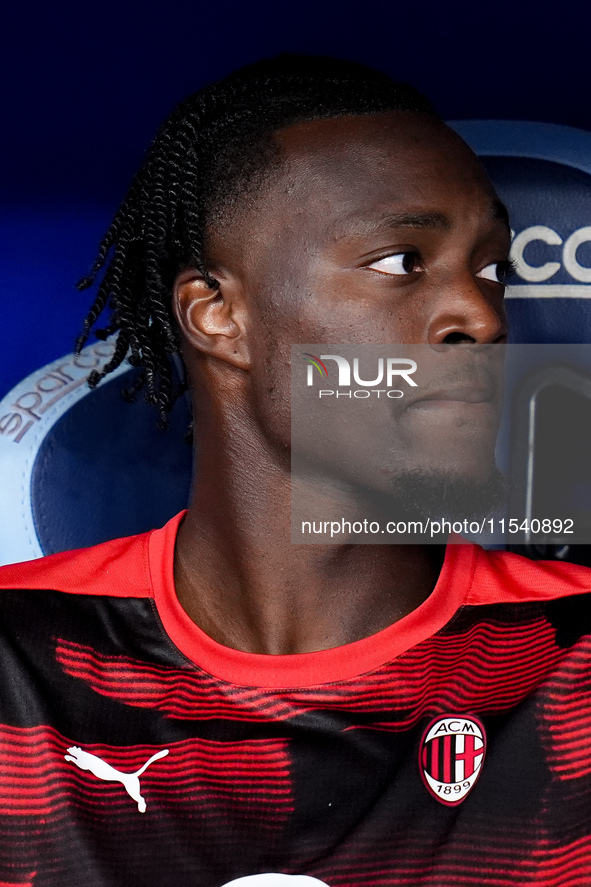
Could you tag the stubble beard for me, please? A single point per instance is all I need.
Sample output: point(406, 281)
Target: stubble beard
point(420, 495)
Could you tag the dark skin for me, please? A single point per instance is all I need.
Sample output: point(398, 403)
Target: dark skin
point(374, 229)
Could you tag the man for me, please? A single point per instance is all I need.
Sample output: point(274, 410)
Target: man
point(209, 702)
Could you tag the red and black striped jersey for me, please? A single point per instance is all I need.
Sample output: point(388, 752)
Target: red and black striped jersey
point(452, 749)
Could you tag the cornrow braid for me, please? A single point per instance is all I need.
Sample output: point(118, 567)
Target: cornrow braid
point(215, 147)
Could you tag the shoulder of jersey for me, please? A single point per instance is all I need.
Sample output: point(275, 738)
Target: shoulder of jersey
point(118, 568)
point(504, 577)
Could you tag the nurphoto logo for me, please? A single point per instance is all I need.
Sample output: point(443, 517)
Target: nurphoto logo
point(390, 370)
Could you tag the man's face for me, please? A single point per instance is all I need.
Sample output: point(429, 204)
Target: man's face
point(376, 229)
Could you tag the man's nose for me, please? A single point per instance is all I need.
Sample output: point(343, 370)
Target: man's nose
point(468, 312)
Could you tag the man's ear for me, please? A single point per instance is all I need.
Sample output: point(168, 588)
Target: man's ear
point(212, 320)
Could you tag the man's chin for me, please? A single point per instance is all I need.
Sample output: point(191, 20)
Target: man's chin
point(419, 495)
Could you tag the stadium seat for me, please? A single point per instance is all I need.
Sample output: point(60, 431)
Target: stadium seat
point(81, 465)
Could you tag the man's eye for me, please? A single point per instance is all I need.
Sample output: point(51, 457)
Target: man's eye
point(399, 263)
point(497, 271)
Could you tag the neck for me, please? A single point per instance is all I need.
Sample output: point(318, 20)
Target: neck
point(239, 577)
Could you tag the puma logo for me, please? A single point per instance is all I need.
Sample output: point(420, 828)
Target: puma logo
point(100, 768)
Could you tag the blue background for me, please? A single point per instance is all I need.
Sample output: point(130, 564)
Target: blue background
point(87, 85)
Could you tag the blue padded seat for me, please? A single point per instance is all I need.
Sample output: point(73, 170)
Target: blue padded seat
point(79, 466)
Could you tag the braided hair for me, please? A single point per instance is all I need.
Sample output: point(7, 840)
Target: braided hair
point(214, 149)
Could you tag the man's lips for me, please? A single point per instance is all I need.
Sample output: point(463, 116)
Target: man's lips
point(469, 394)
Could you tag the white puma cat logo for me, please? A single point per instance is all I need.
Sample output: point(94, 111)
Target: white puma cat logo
point(130, 781)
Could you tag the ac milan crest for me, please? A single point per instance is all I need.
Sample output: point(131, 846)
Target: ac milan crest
point(450, 757)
